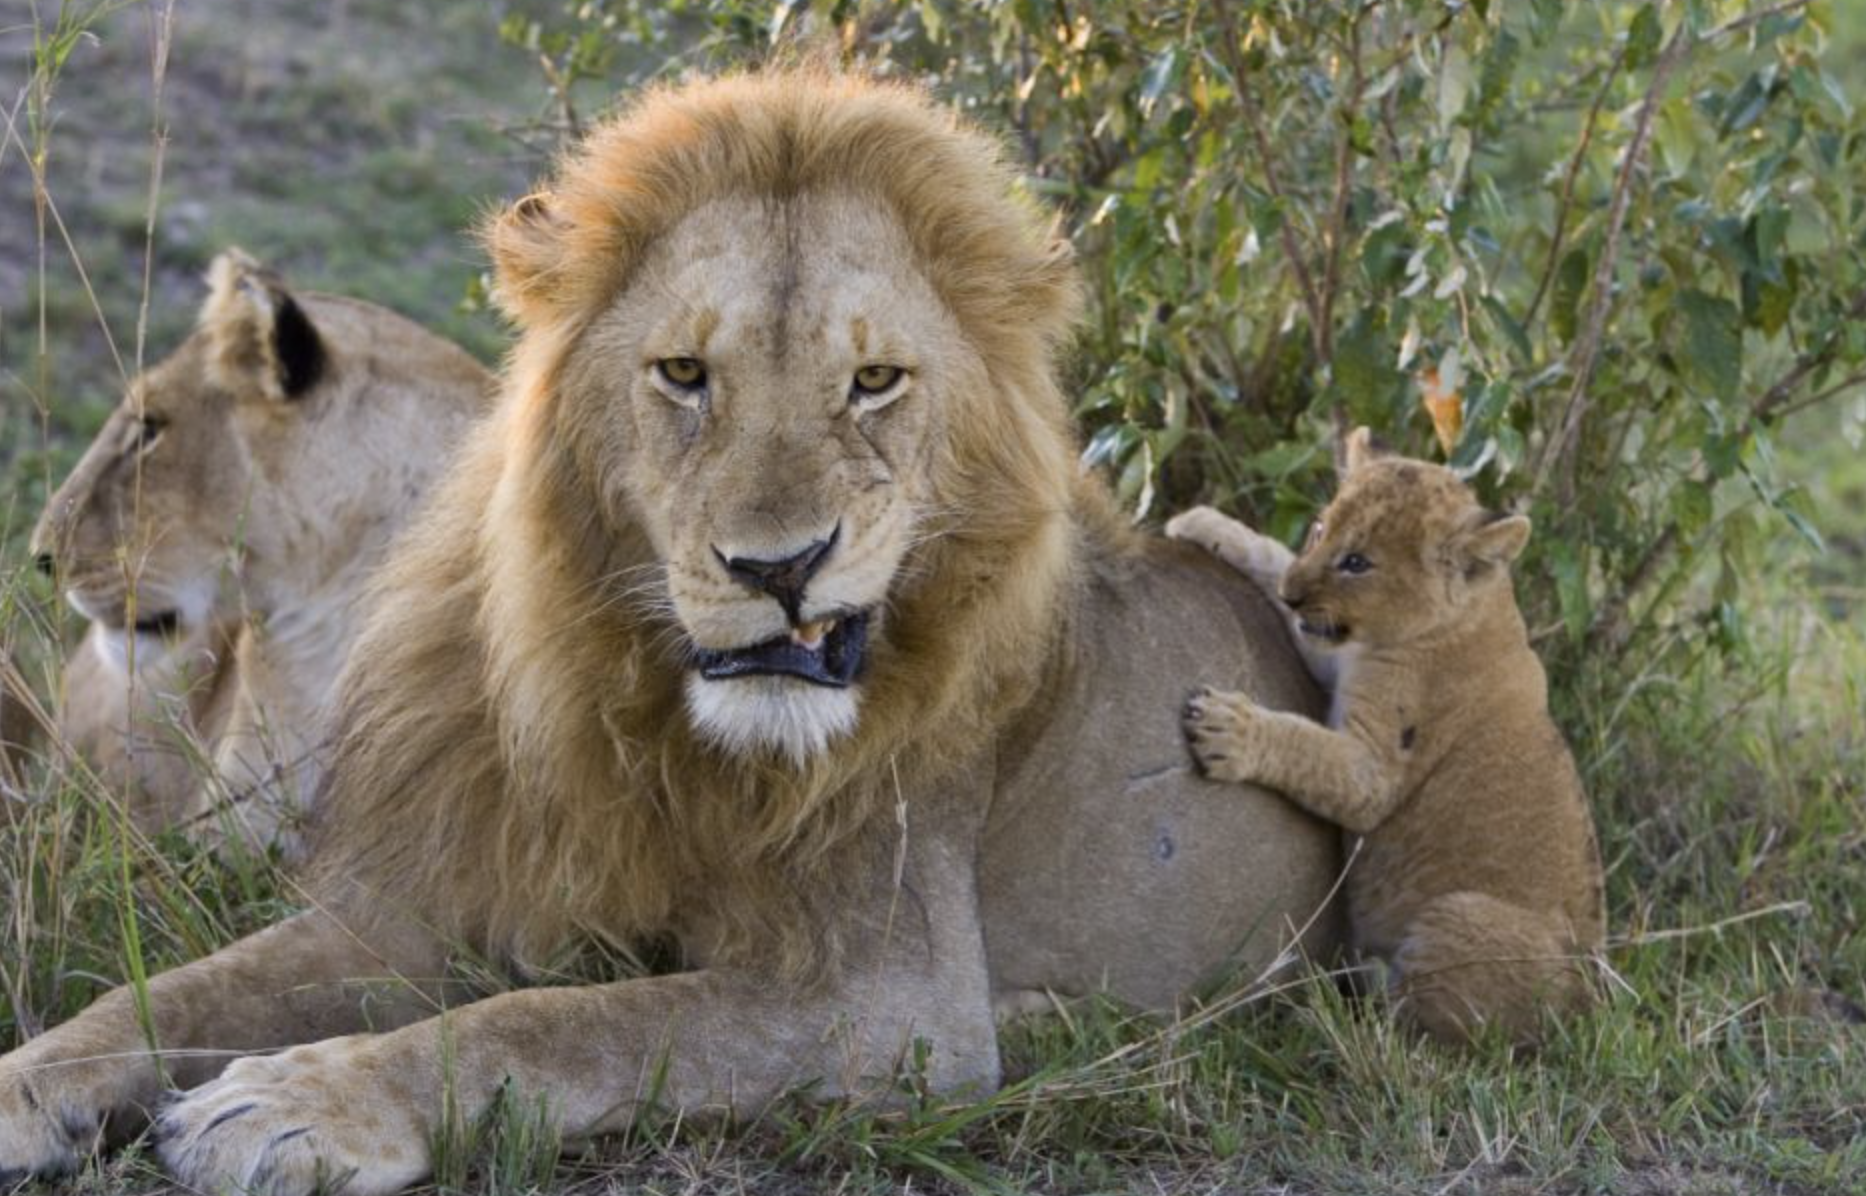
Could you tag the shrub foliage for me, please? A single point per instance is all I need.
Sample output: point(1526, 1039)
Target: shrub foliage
point(1592, 254)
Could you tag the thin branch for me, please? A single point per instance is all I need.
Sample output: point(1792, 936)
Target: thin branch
point(1748, 19)
point(1253, 120)
point(1559, 452)
point(1344, 175)
point(1565, 205)
point(1772, 400)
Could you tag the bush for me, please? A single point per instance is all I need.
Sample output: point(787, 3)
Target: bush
point(1591, 254)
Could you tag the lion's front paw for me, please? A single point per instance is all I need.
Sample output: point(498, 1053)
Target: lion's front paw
point(307, 1120)
point(49, 1120)
point(1218, 727)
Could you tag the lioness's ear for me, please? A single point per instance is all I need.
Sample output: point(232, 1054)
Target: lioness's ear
point(526, 244)
point(1496, 540)
point(259, 339)
point(1357, 450)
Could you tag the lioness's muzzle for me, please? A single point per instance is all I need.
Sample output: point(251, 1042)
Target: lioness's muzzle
point(834, 660)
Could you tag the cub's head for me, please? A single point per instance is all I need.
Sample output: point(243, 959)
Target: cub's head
point(1403, 550)
point(795, 333)
point(139, 534)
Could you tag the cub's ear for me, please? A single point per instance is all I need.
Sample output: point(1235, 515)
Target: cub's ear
point(1358, 449)
point(1495, 541)
point(527, 246)
point(259, 339)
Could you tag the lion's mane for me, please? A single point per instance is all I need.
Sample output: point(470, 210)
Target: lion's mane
point(513, 747)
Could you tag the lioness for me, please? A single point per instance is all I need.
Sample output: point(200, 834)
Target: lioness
point(1478, 877)
point(219, 529)
point(772, 614)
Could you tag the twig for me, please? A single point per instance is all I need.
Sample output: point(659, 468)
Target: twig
point(1253, 120)
point(1735, 24)
point(1566, 204)
point(1559, 452)
point(1773, 399)
point(1338, 213)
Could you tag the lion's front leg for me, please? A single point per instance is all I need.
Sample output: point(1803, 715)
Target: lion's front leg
point(304, 979)
point(364, 1109)
point(1333, 774)
point(359, 1114)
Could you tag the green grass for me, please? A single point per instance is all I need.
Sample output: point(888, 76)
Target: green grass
point(1728, 1057)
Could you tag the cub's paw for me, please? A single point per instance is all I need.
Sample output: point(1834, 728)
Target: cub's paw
point(1218, 730)
point(43, 1133)
point(306, 1121)
point(1205, 527)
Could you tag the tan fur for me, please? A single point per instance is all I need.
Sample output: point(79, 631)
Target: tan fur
point(1478, 878)
point(523, 758)
point(254, 514)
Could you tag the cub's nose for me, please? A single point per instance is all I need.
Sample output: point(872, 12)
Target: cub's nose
point(46, 564)
point(784, 579)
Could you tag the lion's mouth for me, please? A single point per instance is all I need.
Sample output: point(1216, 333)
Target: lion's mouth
point(1324, 629)
point(828, 652)
point(165, 623)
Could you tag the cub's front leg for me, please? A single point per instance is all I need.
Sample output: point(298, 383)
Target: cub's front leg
point(1264, 561)
point(1333, 774)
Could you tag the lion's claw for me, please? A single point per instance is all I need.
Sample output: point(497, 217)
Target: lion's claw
point(290, 1124)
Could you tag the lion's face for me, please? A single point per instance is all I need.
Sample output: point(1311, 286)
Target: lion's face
point(773, 387)
point(138, 534)
point(1404, 549)
point(191, 473)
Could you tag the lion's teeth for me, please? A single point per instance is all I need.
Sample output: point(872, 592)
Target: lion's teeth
point(811, 634)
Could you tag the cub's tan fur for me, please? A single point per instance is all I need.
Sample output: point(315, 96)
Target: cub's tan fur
point(218, 533)
point(1478, 879)
point(533, 747)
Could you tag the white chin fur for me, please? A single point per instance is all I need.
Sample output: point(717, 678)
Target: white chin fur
point(114, 648)
point(748, 714)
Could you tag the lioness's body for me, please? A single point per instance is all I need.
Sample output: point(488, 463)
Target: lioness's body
point(233, 507)
point(1477, 877)
point(599, 693)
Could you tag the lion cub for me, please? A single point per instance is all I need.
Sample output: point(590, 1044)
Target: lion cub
point(1479, 878)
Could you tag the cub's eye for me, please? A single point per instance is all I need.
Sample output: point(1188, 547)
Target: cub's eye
point(149, 430)
point(875, 383)
point(687, 373)
point(1354, 563)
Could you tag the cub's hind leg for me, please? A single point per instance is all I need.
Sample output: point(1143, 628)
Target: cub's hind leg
point(1469, 960)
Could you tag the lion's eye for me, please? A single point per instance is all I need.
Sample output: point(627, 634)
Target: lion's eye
point(1354, 563)
point(687, 373)
point(875, 383)
point(149, 430)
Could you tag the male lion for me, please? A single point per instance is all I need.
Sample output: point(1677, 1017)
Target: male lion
point(219, 529)
point(770, 615)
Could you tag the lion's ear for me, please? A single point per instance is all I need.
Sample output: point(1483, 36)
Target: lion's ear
point(260, 341)
point(1358, 449)
point(1493, 542)
point(526, 244)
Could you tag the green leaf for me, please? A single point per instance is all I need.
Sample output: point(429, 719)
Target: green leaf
point(1710, 345)
point(1570, 284)
point(1642, 38)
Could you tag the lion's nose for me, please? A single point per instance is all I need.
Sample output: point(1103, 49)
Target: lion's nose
point(45, 563)
point(785, 579)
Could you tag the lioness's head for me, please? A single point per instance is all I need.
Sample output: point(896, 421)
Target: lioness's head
point(1404, 549)
point(139, 534)
point(254, 462)
point(794, 333)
